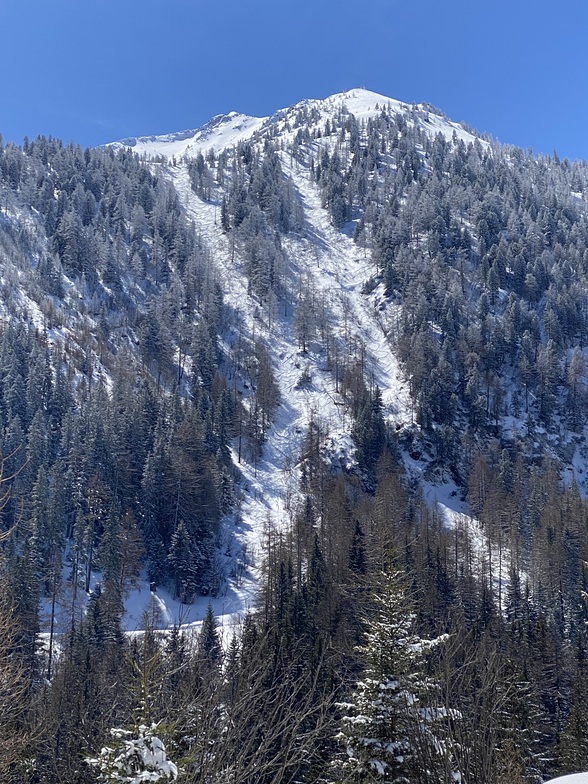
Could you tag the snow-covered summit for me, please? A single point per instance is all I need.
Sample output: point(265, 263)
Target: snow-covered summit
point(360, 102)
point(225, 131)
point(364, 104)
point(221, 132)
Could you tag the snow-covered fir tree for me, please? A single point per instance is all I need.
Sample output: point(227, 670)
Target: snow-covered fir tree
point(134, 760)
point(393, 728)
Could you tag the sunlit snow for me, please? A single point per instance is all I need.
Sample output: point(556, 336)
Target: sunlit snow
point(226, 131)
point(337, 269)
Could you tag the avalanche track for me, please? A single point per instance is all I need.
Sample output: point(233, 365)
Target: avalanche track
point(337, 272)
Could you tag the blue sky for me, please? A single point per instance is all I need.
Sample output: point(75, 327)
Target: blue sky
point(96, 72)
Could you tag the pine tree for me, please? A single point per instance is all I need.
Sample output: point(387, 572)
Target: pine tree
point(209, 644)
point(392, 729)
point(182, 557)
point(134, 759)
point(15, 691)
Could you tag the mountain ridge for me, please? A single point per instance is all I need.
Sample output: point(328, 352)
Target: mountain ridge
point(358, 101)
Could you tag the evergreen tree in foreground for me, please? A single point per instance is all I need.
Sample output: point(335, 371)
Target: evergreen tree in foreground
point(392, 730)
point(134, 759)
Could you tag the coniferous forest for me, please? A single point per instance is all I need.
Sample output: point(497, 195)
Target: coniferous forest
point(389, 641)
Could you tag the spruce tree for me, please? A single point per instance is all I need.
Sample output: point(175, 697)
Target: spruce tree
point(209, 643)
point(392, 727)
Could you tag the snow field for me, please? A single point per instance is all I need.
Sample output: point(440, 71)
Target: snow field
point(334, 266)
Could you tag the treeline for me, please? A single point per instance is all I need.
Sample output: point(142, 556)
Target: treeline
point(465, 648)
point(498, 611)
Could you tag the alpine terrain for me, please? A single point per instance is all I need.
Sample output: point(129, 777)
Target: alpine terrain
point(293, 420)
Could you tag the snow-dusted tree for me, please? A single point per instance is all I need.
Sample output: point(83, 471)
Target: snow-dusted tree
point(393, 728)
point(183, 558)
point(134, 760)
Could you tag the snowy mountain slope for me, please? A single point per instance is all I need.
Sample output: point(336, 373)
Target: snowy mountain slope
point(219, 133)
point(344, 339)
point(351, 305)
point(337, 270)
point(226, 131)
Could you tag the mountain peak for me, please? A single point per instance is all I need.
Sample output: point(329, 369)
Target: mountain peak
point(360, 100)
point(226, 130)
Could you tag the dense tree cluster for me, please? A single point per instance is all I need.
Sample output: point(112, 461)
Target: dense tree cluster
point(484, 248)
point(258, 207)
point(391, 641)
point(115, 415)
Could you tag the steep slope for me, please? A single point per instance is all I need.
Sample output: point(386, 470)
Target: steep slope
point(332, 363)
point(101, 438)
point(219, 133)
point(361, 233)
point(367, 262)
point(329, 264)
point(334, 271)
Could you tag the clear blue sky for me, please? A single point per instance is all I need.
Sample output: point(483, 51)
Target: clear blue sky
point(97, 71)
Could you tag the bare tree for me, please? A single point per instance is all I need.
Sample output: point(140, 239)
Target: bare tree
point(263, 720)
point(15, 685)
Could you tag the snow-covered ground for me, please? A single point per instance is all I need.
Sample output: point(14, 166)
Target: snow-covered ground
point(336, 270)
point(219, 133)
point(574, 778)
